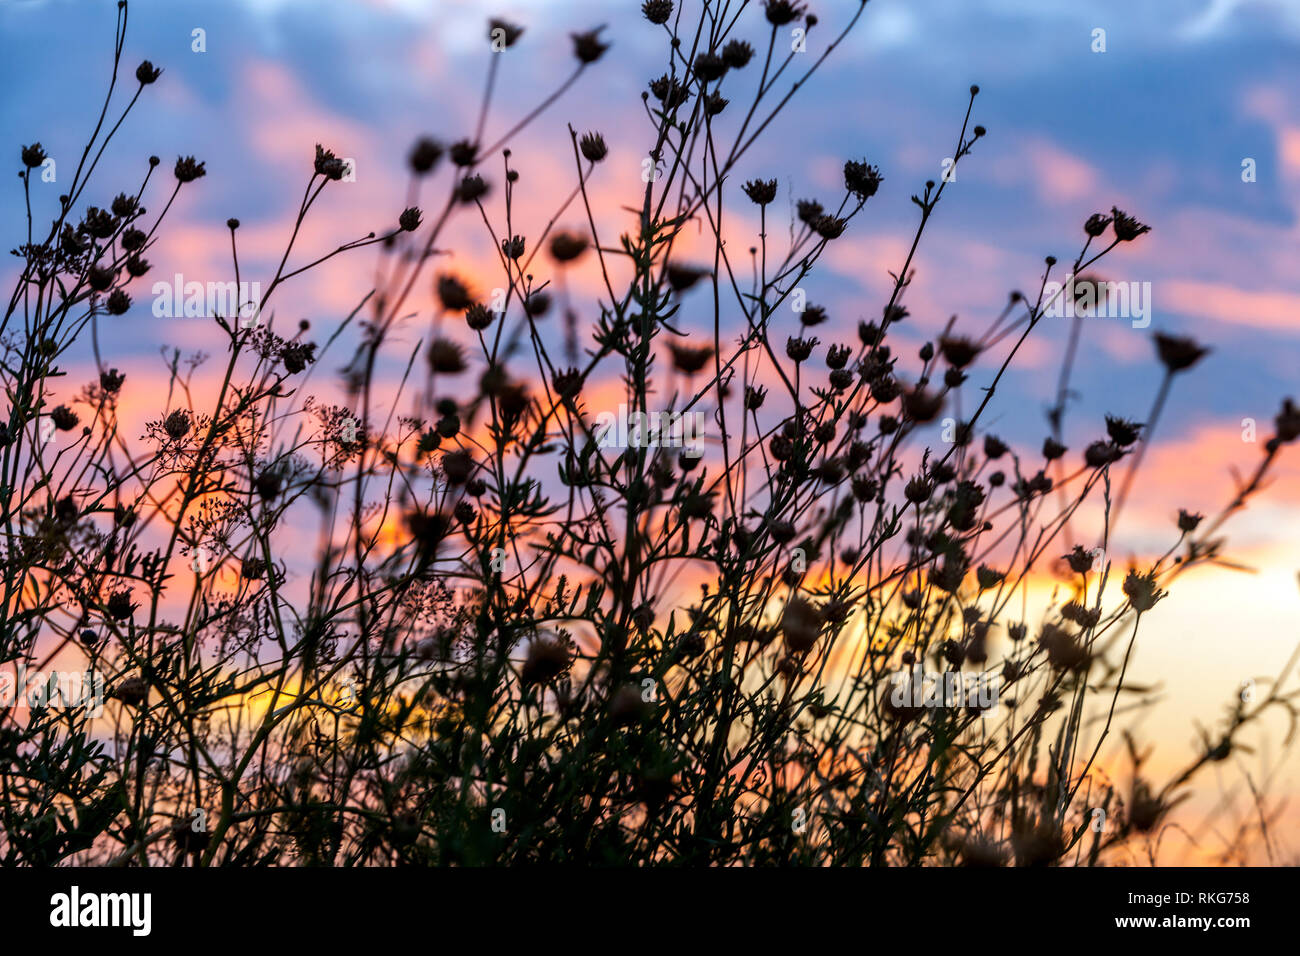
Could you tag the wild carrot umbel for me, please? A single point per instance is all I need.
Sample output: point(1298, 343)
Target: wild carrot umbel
point(700, 578)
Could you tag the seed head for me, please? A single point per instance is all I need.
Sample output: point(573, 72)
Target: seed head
point(177, 424)
point(472, 189)
point(1287, 422)
point(504, 32)
point(463, 152)
point(478, 317)
point(587, 46)
point(922, 405)
point(513, 247)
point(548, 658)
point(64, 418)
point(446, 356)
point(593, 147)
point(1126, 227)
point(809, 211)
point(958, 351)
point(1178, 353)
point(1053, 449)
point(146, 73)
point(111, 380)
point(117, 303)
point(860, 179)
point(1096, 224)
point(1102, 453)
point(424, 155)
point(567, 246)
point(1122, 432)
point(781, 12)
point(761, 191)
point(798, 349)
point(689, 359)
point(709, 67)
point(657, 11)
point(1141, 590)
point(801, 624)
point(813, 315)
point(33, 155)
point(188, 169)
point(737, 53)
point(829, 227)
point(409, 220)
point(119, 605)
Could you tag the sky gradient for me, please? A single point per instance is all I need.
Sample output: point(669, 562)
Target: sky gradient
point(1159, 124)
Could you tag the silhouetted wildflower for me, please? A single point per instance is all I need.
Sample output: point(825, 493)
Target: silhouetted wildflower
point(737, 53)
point(189, 169)
point(567, 246)
point(1126, 227)
point(424, 155)
point(781, 12)
point(657, 11)
point(1178, 353)
point(1096, 224)
point(593, 147)
point(761, 191)
point(1141, 590)
point(690, 359)
point(587, 46)
point(505, 33)
point(64, 418)
point(861, 179)
point(1122, 432)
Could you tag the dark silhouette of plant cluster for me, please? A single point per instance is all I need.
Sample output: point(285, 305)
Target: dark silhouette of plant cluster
point(474, 659)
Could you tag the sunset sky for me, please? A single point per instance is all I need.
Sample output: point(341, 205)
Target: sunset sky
point(1159, 125)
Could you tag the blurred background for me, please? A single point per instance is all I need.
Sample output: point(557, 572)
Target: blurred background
point(1184, 113)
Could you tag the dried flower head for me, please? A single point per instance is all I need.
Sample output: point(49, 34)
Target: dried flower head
point(861, 179)
point(177, 424)
point(1127, 228)
point(1122, 431)
point(657, 11)
point(453, 293)
point(593, 147)
point(188, 169)
point(1096, 224)
point(424, 155)
point(446, 356)
point(1178, 353)
point(64, 418)
point(567, 246)
point(503, 34)
point(409, 220)
point(761, 191)
point(690, 359)
point(1141, 590)
point(737, 53)
point(782, 12)
point(33, 155)
point(587, 46)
